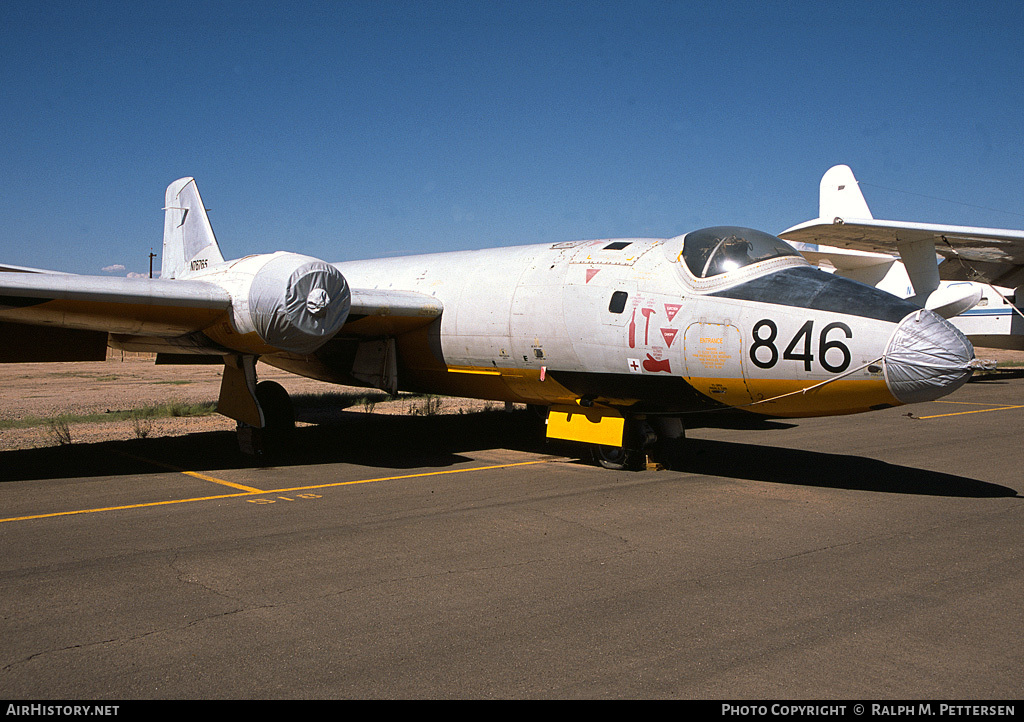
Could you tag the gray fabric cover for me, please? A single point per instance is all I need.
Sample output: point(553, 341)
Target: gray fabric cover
point(927, 358)
point(298, 303)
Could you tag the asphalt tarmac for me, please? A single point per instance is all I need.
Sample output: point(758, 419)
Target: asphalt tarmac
point(866, 557)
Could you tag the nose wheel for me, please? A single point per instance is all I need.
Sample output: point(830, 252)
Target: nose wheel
point(620, 458)
point(659, 440)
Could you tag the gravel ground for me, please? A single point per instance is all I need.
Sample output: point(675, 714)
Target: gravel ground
point(47, 390)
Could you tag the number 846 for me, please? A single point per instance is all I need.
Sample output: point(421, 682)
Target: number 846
point(765, 354)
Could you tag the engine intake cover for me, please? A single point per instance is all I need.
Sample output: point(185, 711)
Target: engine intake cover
point(297, 303)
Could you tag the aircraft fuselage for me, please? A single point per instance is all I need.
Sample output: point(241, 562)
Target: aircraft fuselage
point(626, 324)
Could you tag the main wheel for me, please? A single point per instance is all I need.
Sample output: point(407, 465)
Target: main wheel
point(278, 415)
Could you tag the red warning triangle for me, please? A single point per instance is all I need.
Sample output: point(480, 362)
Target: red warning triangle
point(671, 309)
point(669, 335)
point(591, 272)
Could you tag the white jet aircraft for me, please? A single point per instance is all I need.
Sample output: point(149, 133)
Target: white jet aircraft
point(622, 341)
point(939, 267)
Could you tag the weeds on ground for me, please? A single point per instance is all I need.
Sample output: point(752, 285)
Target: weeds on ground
point(59, 430)
point(429, 406)
point(142, 425)
point(340, 400)
point(59, 424)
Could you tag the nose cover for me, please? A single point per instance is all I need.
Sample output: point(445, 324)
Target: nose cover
point(927, 358)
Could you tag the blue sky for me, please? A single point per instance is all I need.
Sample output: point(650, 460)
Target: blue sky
point(349, 130)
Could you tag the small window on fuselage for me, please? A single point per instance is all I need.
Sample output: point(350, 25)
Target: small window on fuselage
point(618, 302)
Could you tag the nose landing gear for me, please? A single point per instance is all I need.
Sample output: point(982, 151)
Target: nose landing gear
point(657, 440)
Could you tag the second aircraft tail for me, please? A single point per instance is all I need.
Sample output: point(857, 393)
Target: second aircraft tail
point(839, 195)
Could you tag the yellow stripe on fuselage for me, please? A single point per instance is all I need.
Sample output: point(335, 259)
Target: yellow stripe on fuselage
point(770, 397)
point(796, 398)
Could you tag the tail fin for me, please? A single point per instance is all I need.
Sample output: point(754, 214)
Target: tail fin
point(189, 243)
point(840, 196)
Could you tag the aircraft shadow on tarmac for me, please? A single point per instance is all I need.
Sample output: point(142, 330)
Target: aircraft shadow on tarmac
point(997, 376)
point(408, 442)
point(832, 471)
point(375, 440)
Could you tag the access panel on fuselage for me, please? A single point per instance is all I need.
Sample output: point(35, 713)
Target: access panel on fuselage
point(622, 309)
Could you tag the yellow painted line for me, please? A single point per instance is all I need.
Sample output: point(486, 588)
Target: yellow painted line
point(965, 403)
point(195, 474)
point(116, 508)
point(976, 411)
point(231, 484)
point(255, 492)
point(407, 476)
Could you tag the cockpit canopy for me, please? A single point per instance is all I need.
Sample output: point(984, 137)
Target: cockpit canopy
point(713, 251)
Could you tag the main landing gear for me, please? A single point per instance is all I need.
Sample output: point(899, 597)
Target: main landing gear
point(275, 436)
point(263, 412)
point(658, 440)
point(278, 415)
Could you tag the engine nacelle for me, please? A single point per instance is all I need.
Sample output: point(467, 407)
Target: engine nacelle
point(289, 301)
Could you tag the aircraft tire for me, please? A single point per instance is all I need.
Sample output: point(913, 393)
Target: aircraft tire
point(619, 458)
point(278, 414)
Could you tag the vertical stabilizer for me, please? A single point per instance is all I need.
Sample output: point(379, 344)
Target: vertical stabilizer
point(189, 243)
point(840, 196)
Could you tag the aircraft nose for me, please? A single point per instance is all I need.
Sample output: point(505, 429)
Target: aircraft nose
point(927, 358)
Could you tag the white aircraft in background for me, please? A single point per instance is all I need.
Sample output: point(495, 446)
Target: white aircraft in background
point(935, 266)
point(622, 341)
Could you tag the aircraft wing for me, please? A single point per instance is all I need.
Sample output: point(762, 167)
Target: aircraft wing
point(155, 309)
point(995, 254)
point(387, 312)
point(844, 221)
point(8, 268)
point(48, 316)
